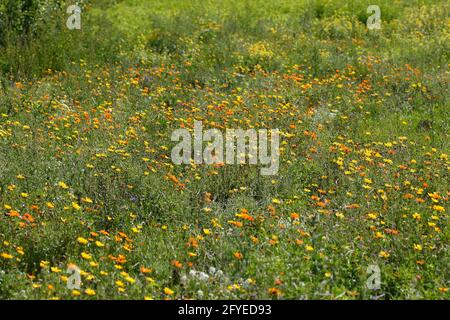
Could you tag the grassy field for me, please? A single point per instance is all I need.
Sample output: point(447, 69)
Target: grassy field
point(87, 184)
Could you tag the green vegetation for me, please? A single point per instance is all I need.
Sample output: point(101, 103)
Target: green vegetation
point(87, 180)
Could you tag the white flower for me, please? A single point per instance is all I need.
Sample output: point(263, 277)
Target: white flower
point(203, 276)
point(212, 270)
point(193, 273)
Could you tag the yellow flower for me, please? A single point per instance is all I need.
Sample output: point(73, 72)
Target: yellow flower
point(50, 205)
point(5, 255)
point(120, 284)
point(76, 206)
point(63, 185)
point(55, 269)
point(130, 279)
point(24, 195)
point(135, 230)
point(99, 244)
point(168, 291)
point(372, 216)
point(82, 240)
point(76, 293)
point(417, 247)
point(44, 264)
point(89, 292)
point(206, 231)
point(379, 235)
point(309, 248)
point(86, 256)
point(86, 200)
point(383, 254)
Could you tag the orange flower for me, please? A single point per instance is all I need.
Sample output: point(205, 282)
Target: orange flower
point(192, 242)
point(245, 216)
point(28, 217)
point(321, 204)
point(207, 197)
point(145, 270)
point(238, 255)
point(123, 235)
point(13, 213)
point(274, 291)
point(271, 210)
point(121, 259)
point(177, 264)
point(235, 223)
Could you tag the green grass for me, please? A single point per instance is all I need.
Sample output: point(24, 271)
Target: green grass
point(364, 166)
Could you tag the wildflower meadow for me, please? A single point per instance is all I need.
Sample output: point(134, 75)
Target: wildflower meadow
point(224, 149)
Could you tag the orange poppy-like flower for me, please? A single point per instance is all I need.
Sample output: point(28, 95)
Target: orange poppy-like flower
point(122, 235)
point(235, 223)
point(13, 213)
point(192, 242)
point(121, 259)
point(177, 264)
point(145, 270)
point(238, 255)
point(274, 291)
point(245, 216)
point(28, 217)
